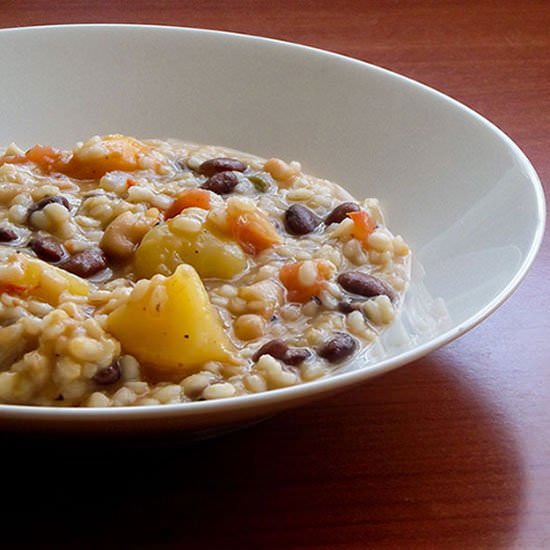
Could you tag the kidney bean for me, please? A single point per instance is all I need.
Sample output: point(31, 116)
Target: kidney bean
point(276, 348)
point(347, 306)
point(363, 284)
point(214, 166)
point(108, 375)
point(39, 205)
point(86, 263)
point(279, 350)
point(7, 235)
point(221, 183)
point(47, 248)
point(341, 211)
point(300, 220)
point(295, 356)
point(338, 348)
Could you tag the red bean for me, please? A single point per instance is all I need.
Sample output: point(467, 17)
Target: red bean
point(276, 348)
point(295, 356)
point(339, 348)
point(363, 284)
point(47, 248)
point(58, 199)
point(108, 375)
point(221, 183)
point(7, 235)
point(214, 166)
point(341, 211)
point(86, 263)
point(347, 306)
point(281, 351)
point(300, 220)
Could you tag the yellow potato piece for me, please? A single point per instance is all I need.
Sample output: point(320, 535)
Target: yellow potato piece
point(33, 277)
point(170, 244)
point(172, 327)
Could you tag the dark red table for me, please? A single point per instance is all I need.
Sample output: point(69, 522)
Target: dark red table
point(452, 451)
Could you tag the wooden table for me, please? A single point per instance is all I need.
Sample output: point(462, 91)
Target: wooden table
point(452, 451)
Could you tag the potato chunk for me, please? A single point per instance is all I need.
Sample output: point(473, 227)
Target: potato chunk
point(24, 275)
point(172, 326)
point(189, 238)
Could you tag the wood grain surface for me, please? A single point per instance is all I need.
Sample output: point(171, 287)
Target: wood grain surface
point(452, 451)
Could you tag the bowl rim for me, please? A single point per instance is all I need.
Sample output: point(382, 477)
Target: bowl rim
point(337, 381)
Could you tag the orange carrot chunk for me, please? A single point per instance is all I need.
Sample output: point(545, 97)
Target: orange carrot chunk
point(296, 290)
point(363, 226)
point(253, 231)
point(13, 159)
point(44, 156)
point(199, 198)
point(47, 158)
point(13, 289)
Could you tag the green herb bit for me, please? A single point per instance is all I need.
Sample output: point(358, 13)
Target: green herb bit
point(262, 181)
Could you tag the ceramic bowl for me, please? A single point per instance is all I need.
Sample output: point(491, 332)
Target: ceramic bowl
point(457, 188)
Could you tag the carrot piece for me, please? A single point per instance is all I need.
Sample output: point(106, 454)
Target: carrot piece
point(363, 226)
point(11, 289)
point(114, 152)
point(120, 153)
point(47, 158)
point(297, 292)
point(253, 231)
point(186, 199)
point(13, 159)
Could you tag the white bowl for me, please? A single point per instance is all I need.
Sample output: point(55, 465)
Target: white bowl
point(457, 188)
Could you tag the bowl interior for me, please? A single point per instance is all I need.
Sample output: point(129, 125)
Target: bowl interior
point(459, 191)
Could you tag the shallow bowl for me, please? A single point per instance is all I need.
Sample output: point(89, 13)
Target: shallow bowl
point(457, 188)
